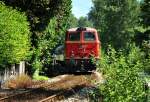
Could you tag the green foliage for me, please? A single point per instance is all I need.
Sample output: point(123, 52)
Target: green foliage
point(40, 12)
point(36, 76)
point(145, 14)
point(14, 36)
point(84, 22)
point(146, 49)
point(73, 21)
point(42, 57)
point(62, 13)
point(142, 37)
point(37, 63)
point(97, 14)
point(52, 35)
point(81, 22)
point(48, 42)
point(143, 32)
point(122, 73)
point(48, 21)
point(115, 20)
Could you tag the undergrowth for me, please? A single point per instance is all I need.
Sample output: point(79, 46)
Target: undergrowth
point(122, 72)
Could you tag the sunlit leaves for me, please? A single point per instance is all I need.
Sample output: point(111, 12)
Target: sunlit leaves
point(116, 20)
point(14, 36)
point(122, 72)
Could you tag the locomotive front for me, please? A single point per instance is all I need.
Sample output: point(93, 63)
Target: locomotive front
point(82, 45)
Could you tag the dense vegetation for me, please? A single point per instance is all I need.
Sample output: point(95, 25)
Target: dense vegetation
point(40, 12)
point(14, 36)
point(48, 22)
point(145, 22)
point(123, 24)
point(123, 71)
point(116, 20)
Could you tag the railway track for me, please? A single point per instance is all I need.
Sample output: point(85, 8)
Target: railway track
point(61, 95)
point(54, 98)
point(40, 95)
point(48, 92)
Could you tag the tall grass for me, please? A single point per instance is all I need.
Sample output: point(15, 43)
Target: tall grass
point(19, 82)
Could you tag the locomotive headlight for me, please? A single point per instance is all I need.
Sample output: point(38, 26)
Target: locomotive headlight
point(72, 53)
point(92, 53)
point(84, 50)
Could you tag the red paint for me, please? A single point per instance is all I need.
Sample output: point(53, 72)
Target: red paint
point(82, 49)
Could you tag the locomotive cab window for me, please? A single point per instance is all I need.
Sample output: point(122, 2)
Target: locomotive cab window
point(89, 36)
point(75, 36)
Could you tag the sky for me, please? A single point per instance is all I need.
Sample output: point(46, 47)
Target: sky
point(81, 7)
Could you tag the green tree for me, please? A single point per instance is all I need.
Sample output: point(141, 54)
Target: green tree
point(143, 32)
point(73, 21)
point(115, 20)
point(145, 19)
point(40, 12)
point(96, 15)
point(84, 22)
point(14, 36)
point(142, 37)
point(145, 8)
point(64, 11)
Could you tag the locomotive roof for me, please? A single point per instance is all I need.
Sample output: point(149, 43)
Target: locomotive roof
point(87, 29)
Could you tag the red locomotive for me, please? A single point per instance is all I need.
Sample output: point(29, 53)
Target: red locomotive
point(81, 46)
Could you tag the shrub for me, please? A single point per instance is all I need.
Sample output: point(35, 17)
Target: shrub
point(146, 49)
point(14, 36)
point(122, 72)
point(43, 53)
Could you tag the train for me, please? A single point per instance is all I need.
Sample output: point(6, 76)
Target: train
point(82, 49)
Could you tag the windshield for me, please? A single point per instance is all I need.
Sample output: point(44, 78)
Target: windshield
point(74, 36)
point(89, 36)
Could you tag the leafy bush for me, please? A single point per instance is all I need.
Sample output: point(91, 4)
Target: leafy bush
point(14, 36)
point(122, 73)
point(146, 49)
point(147, 65)
point(43, 54)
